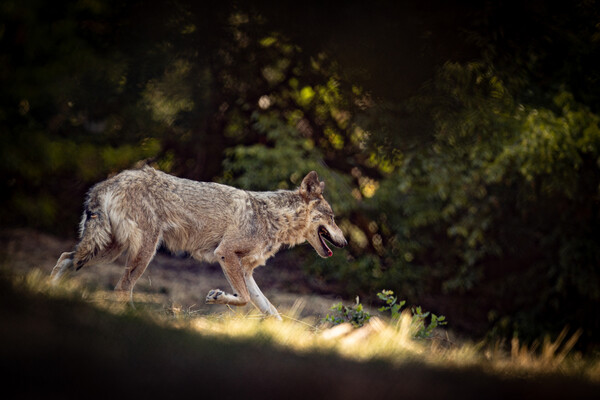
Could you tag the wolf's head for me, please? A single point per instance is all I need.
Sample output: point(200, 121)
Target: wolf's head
point(321, 220)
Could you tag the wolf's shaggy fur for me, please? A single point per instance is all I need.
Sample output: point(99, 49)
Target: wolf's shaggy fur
point(137, 210)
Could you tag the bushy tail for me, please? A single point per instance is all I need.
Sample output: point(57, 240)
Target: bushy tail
point(96, 236)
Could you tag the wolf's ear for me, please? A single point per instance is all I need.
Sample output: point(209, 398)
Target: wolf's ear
point(311, 187)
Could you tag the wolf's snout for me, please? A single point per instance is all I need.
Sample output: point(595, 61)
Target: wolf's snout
point(339, 240)
point(341, 243)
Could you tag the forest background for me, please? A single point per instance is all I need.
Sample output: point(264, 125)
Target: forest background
point(459, 141)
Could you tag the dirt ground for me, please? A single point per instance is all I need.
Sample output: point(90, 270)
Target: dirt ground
point(171, 281)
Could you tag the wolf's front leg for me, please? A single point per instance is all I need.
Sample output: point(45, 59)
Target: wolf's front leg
point(232, 268)
point(258, 298)
point(217, 296)
point(64, 263)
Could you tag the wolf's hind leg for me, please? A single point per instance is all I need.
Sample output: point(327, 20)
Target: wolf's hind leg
point(64, 263)
point(71, 261)
point(137, 264)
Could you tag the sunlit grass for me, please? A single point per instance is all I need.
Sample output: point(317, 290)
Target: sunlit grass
point(377, 340)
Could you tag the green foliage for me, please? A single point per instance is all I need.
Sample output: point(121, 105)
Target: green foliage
point(422, 329)
point(70, 111)
point(494, 195)
point(355, 314)
point(392, 304)
point(452, 178)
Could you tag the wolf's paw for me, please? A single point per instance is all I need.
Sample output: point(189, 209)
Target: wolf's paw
point(213, 295)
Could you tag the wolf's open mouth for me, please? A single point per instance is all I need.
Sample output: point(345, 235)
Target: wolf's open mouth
point(324, 234)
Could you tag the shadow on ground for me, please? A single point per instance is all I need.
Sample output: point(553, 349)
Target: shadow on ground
point(60, 348)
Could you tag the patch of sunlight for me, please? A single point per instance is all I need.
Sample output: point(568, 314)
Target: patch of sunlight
point(377, 339)
point(273, 75)
point(39, 281)
point(306, 96)
point(308, 144)
point(386, 163)
point(170, 95)
point(359, 137)
point(377, 242)
point(357, 236)
point(387, 166)
point(264, 102)
point(393, 341)
point(341, 117)
point(368, 186)
point(336, 140)
point(268, 41)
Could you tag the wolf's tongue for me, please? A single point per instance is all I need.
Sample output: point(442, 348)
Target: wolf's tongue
point(325, 247)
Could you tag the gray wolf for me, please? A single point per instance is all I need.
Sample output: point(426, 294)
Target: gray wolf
point(137, 210)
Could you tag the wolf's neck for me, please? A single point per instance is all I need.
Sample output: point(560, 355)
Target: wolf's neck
point(288, 216)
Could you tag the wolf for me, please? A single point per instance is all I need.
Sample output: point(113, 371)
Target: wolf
point(136, 211)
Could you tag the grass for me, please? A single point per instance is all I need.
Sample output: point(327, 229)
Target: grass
point(70, 340)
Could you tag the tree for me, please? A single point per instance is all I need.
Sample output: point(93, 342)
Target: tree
point(459, 142)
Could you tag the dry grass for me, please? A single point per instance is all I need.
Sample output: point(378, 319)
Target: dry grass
point(378, 340)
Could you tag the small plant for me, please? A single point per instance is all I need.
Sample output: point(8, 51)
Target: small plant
point(392, 303)
point(355, 315)
point(425, 330)
point(422, 329)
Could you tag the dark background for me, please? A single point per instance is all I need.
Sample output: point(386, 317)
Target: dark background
point(459, 141)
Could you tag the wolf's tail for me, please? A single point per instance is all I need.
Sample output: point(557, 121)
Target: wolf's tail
point(96, 236)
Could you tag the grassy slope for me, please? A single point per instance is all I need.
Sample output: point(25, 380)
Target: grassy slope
point(55, 347)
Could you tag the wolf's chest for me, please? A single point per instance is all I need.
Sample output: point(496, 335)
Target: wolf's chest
point(260, 256)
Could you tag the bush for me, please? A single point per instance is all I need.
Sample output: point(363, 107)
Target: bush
point(357, 316)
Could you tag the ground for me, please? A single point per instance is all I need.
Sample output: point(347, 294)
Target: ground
point(62, 347)
point(170, 280)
